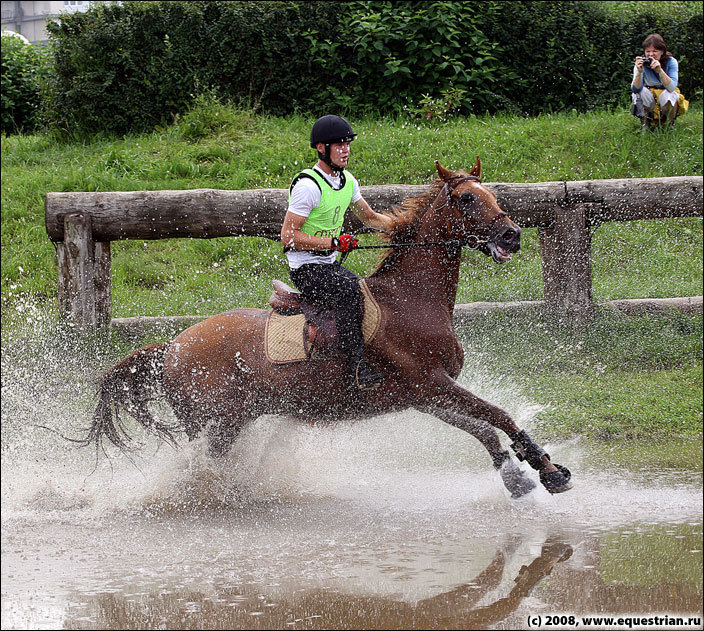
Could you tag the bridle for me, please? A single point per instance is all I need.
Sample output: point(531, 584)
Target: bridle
point(473, 242)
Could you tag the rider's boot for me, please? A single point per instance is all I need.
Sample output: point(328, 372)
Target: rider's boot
point(364, 377)
point(556, 481)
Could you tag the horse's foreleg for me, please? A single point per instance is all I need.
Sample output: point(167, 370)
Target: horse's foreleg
point(445, 393)
point(513, 478)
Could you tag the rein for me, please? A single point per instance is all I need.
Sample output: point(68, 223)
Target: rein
point(473, 242)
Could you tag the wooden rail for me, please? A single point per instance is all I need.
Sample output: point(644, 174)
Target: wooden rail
point(84, 224)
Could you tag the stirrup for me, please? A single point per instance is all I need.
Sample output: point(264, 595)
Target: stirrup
point(365, 378)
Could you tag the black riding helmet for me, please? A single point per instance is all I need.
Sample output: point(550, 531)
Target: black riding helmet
point(329, 129)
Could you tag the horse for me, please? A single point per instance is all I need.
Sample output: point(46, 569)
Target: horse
point(217, 379)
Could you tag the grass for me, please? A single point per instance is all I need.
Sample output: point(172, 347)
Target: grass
point(621, 378)
point(215, 146)
point(631, 380)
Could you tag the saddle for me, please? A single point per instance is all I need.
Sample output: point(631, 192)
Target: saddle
point(297, 330)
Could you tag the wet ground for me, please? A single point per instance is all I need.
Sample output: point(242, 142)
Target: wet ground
point(391, 523)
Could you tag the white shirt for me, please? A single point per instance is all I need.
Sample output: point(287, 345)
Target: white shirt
point(306, 196)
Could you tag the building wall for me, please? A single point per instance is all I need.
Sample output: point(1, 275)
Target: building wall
point(30, 18)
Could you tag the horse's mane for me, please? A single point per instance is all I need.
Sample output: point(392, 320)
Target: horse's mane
point(406, 220)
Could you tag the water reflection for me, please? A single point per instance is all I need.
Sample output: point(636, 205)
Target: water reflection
point(244, 607)
point(644, 569)
point(329, 564)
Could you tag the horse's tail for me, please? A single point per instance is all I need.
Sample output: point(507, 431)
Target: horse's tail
point(130, 385)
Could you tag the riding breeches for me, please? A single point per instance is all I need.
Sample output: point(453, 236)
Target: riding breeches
point(332, 286)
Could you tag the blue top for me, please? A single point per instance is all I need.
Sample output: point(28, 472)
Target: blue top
point(650, 79)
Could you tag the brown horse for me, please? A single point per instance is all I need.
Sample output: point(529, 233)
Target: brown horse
point(216, 376)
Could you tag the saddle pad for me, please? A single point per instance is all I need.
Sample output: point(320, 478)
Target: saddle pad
point(283, 335)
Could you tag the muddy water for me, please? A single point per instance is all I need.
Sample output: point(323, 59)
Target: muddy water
point(392, 523)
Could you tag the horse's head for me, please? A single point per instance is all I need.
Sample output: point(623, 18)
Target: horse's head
point(478, 222)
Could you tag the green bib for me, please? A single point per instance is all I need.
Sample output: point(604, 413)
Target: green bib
point(326, 219)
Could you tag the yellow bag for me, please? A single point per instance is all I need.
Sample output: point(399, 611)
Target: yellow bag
point(682, 104)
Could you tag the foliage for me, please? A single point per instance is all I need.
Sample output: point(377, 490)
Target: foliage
point(22, 70)
point(129, 67)
point(440, 108)
point(392, 52)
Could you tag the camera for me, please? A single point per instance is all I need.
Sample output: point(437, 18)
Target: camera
point(647, 61)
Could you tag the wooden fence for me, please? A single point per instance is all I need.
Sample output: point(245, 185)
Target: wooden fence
point(566, 213)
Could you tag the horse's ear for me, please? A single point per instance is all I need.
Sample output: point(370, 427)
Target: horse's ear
point(477, 169)
point(443, 172)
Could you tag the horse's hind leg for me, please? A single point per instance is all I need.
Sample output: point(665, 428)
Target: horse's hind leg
point(222, 430)
point(517, 483)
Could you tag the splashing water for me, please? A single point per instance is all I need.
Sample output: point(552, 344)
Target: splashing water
point(407, 461)
point(401, 507)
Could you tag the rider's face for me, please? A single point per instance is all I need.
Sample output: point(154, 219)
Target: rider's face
point(339, 152)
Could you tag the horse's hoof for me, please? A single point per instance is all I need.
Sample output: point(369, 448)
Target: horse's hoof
point(523, 487)
point(557, 481)
point(515, 481)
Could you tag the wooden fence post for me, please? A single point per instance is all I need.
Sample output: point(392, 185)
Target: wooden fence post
point(84, 274)
point(101, 276)
point(565, 249)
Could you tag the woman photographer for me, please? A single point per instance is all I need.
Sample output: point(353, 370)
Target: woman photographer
point(654, 84)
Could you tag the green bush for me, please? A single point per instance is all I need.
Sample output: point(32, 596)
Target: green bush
point(393, 54)
point(20, 85)
point(129, 67)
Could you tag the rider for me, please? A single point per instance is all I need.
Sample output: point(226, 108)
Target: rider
point(311, 234)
